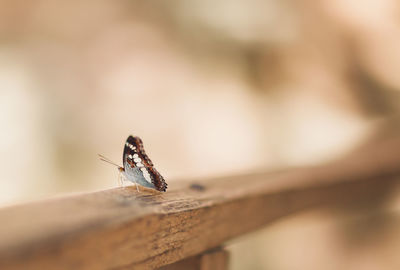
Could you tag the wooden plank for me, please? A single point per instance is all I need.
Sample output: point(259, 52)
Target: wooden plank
point(121, 229)
point(215, 259)
point(192, 263)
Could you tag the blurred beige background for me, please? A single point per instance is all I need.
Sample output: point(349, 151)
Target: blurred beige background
point(212, 88)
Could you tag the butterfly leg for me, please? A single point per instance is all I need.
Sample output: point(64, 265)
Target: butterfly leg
point(119, 179)
point(122, 181)
point(137, 187)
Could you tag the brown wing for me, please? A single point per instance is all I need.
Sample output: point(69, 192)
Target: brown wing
point(135, 156)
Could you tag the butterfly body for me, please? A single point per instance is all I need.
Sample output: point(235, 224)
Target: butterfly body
point(138, 168)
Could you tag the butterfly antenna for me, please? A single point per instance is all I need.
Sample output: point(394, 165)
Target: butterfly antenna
point(103, 158)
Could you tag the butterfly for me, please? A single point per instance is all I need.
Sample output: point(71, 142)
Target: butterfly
point(137, 166)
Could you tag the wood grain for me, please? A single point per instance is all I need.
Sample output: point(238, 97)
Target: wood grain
point(121, 229)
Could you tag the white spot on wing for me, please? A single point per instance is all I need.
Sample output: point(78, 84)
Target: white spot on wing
point(147, 177)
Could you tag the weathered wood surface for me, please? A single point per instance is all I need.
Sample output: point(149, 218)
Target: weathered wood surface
point(120, 229)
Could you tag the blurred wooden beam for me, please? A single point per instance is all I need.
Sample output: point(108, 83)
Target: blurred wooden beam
point(121, 229)
point(215, 259)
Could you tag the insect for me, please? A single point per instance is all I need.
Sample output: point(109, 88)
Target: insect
point(137, 166)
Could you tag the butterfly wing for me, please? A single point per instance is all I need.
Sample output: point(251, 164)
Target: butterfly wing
point(139, 166)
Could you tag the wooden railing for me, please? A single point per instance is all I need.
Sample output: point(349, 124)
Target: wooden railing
point(186, 227)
